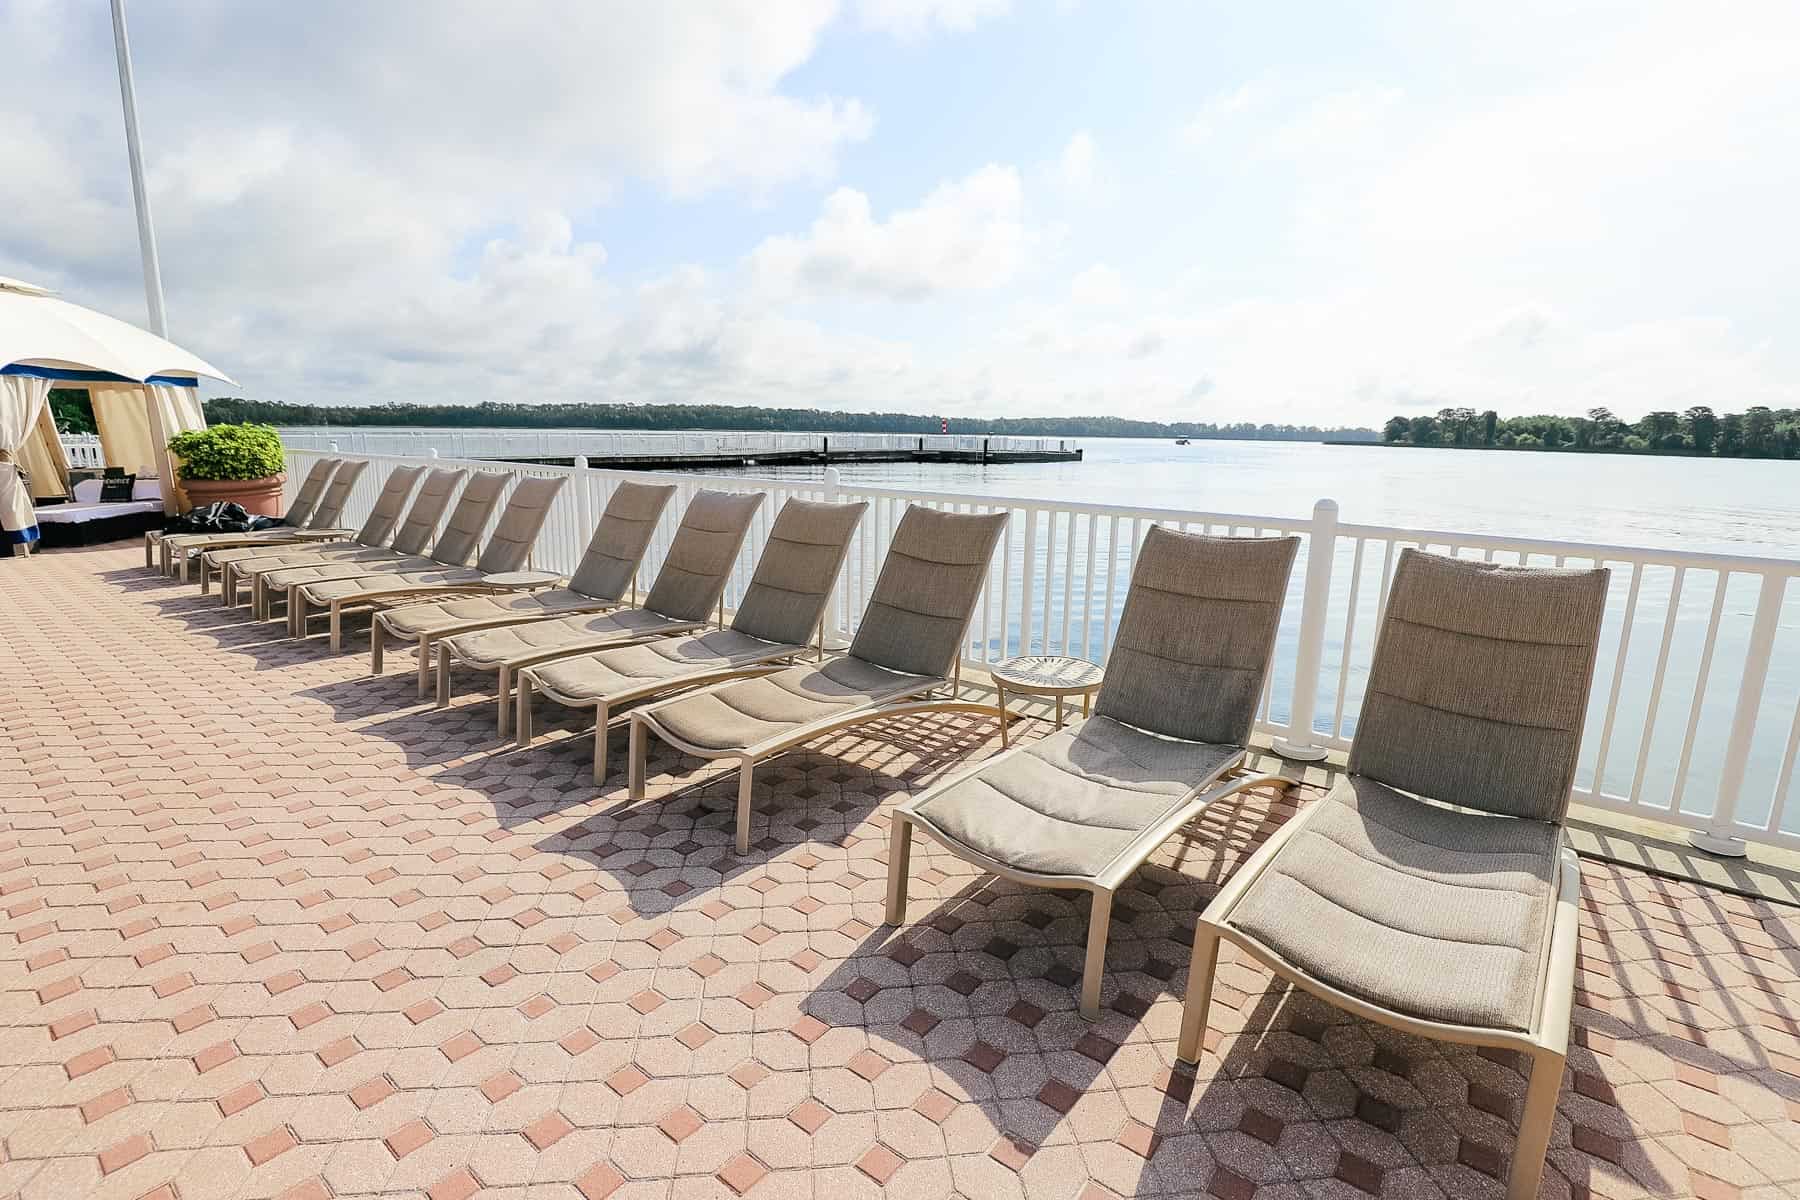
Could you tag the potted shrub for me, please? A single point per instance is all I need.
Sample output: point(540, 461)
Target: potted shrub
point(239, 463)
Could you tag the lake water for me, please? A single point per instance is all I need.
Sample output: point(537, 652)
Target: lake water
point(1724, 506)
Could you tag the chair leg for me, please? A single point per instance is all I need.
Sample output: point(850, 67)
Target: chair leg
point(1534, 1126)
point(205, 578)
point(296, 613)
point(601, 716)
point(637, 756)
point(428, 678)
point(899, 867)
point(746, 781)
point(337, 627)
point(377, 646)
point(1199, 993)
point(507, 704)
point(1099, 924)
point(522, 714)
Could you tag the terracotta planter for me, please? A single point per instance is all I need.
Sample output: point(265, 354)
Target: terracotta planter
point(260, 497)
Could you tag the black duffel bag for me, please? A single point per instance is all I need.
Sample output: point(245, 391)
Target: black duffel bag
point(221, 516)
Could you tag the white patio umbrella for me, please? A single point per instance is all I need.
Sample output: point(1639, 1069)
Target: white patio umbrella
point(143, 388)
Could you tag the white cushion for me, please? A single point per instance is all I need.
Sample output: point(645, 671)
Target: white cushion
point(147, 489)
point(87, 491)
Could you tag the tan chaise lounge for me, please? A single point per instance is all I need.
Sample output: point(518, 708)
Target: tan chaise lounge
point(498, 569)
point(606, 572)
point(781, 610)
point(370, 545)
point(324, 526)
point(687, 589)
point(417, 547)
point(909, 643)
point(1432, 890)
point(1086, 807)
point(158, 545)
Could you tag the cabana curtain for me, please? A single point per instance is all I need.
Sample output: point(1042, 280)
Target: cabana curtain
point(22, 399)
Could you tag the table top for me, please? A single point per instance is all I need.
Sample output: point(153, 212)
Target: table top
point(1049, 673)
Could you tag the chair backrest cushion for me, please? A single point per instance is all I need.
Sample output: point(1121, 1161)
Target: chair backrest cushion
point(462, 532)
point(620, 539)
point(1480, 683)
point(337, 494)
point(927, 589)
point(1196, 635)
point(389, 503)
point(795, 574)
point(702, 554)
point(516, 532)
point(427, 510)
point(311, 488)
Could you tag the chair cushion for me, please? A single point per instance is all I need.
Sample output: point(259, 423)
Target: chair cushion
point(322, 570)
point(668, 661)
point(491, 648)
point(430, 619)
point(1429, 911)
point(387, 580)
point(1072, 803)
point(735, 716)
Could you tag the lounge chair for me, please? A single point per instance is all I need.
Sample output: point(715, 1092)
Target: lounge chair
point(156, 550)
point(507, 553)
point(417, 547)
point(909, 643)
point(607, 571)
point(780, 612)
point(370, 544)
point(1455, 923)
point(687, 589)
point(1085, 807)
point(324, 526)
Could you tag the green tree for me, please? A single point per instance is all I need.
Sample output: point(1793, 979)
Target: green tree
point(1424, 431)
point(1702, 428)
point(1660, 430)
point(1759, 431)
point(72, 411)
point(1608, 430)
point(1395, 430)
point(1731, 435)
point(1490, 423)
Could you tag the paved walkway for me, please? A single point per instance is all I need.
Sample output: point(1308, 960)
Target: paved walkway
point(271, 928)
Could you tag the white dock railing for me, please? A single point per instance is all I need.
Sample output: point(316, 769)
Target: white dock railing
point(83, 449)
point(1687, 724)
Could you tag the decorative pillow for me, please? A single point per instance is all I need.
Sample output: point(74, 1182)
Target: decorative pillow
point(147, 489)
point(87, 491)
point(116, 488)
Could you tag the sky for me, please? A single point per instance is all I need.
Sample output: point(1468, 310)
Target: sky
point(1310, 213)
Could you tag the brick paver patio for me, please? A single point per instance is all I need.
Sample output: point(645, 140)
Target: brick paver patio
point(274, 929)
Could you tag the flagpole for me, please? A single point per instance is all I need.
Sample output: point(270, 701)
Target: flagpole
point(153, 291)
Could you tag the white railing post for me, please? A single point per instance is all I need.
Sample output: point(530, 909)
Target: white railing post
point(584, 503)
point(841, 600)
point(833, 481)
point(1321, 549)
point(1722, 836)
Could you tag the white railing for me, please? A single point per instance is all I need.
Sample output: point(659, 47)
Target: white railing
point(1688, 723)
point(83, 449)
point(611, 443)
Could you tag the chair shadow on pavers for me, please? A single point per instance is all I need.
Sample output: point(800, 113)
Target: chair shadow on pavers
point(675, 846)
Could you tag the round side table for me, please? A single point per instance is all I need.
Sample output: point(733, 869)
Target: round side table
point(1047, 675)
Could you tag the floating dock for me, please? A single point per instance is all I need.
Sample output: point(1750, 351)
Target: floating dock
point(824, 455)
point(685, 450)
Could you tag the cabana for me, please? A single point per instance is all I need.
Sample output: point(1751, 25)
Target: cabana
point(144, 391)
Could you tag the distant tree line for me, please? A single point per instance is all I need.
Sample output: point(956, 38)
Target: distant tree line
point(720, 416)
point(1758, 432)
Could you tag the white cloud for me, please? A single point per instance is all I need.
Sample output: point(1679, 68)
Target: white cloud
point(1099, 286)
point(1219, 111)
point(913, 19)
point(1076, 166)
point(965, 235)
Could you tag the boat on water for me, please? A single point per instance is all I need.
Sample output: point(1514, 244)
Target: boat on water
point(1183, 442)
